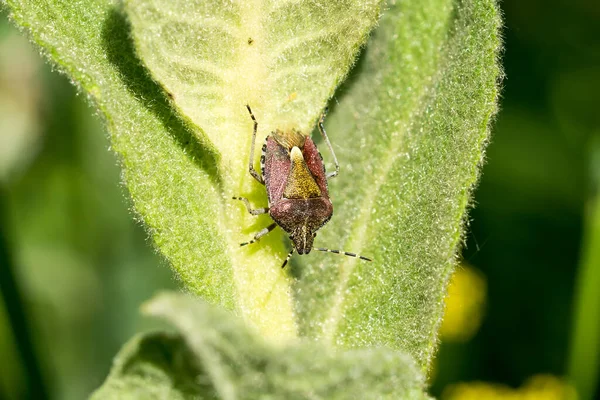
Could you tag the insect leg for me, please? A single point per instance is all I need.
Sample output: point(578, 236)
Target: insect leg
point(343, 252)
point(288, 258)
point(256, 211)
point(260, 234)
point(322, 130)
point(251, 162)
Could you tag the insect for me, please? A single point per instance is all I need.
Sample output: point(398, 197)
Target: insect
point(293, 172)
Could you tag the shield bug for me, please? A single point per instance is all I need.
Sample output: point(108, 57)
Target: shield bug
point(293, 172)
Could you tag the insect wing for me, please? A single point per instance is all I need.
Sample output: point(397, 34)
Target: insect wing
point(277, 169)
point(315, 165)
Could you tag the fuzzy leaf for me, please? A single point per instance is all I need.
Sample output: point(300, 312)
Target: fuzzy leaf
point(426, 89)
point(409, 131)
point(181, 176)
point(215, 356)
point(172, 178)
point(411, 127)
point(284, 59)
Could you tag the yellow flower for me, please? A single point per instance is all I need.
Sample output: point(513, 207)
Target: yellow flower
point(465, 304)
point(538, 387)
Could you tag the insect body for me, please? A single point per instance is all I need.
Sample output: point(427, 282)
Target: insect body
point(293, 172)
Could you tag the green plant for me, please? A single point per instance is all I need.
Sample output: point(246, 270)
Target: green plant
point(409, 126)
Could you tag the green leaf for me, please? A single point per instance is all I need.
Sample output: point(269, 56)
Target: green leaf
point(180, 183)
point(214, 355)
point(172, 178)
point(418, 108)
point(285, 60)
point(409, 128)
point(155, 366)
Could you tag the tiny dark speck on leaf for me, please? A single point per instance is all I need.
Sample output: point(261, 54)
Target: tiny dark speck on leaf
point(250, 41)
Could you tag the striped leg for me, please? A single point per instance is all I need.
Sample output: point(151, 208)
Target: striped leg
point(288, 258)
point(256, 211)
point(251, 161)
point(344, 253)
point(260, 234)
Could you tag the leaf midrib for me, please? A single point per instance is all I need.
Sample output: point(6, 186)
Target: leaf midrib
point(252, 303)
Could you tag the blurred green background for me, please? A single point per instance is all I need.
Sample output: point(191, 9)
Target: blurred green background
point(523, 313)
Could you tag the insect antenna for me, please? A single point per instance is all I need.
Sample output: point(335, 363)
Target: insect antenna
point(343, 252)
point(288, 258)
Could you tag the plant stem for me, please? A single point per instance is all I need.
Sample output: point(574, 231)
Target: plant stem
point(35, 387)
point(585, 336)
